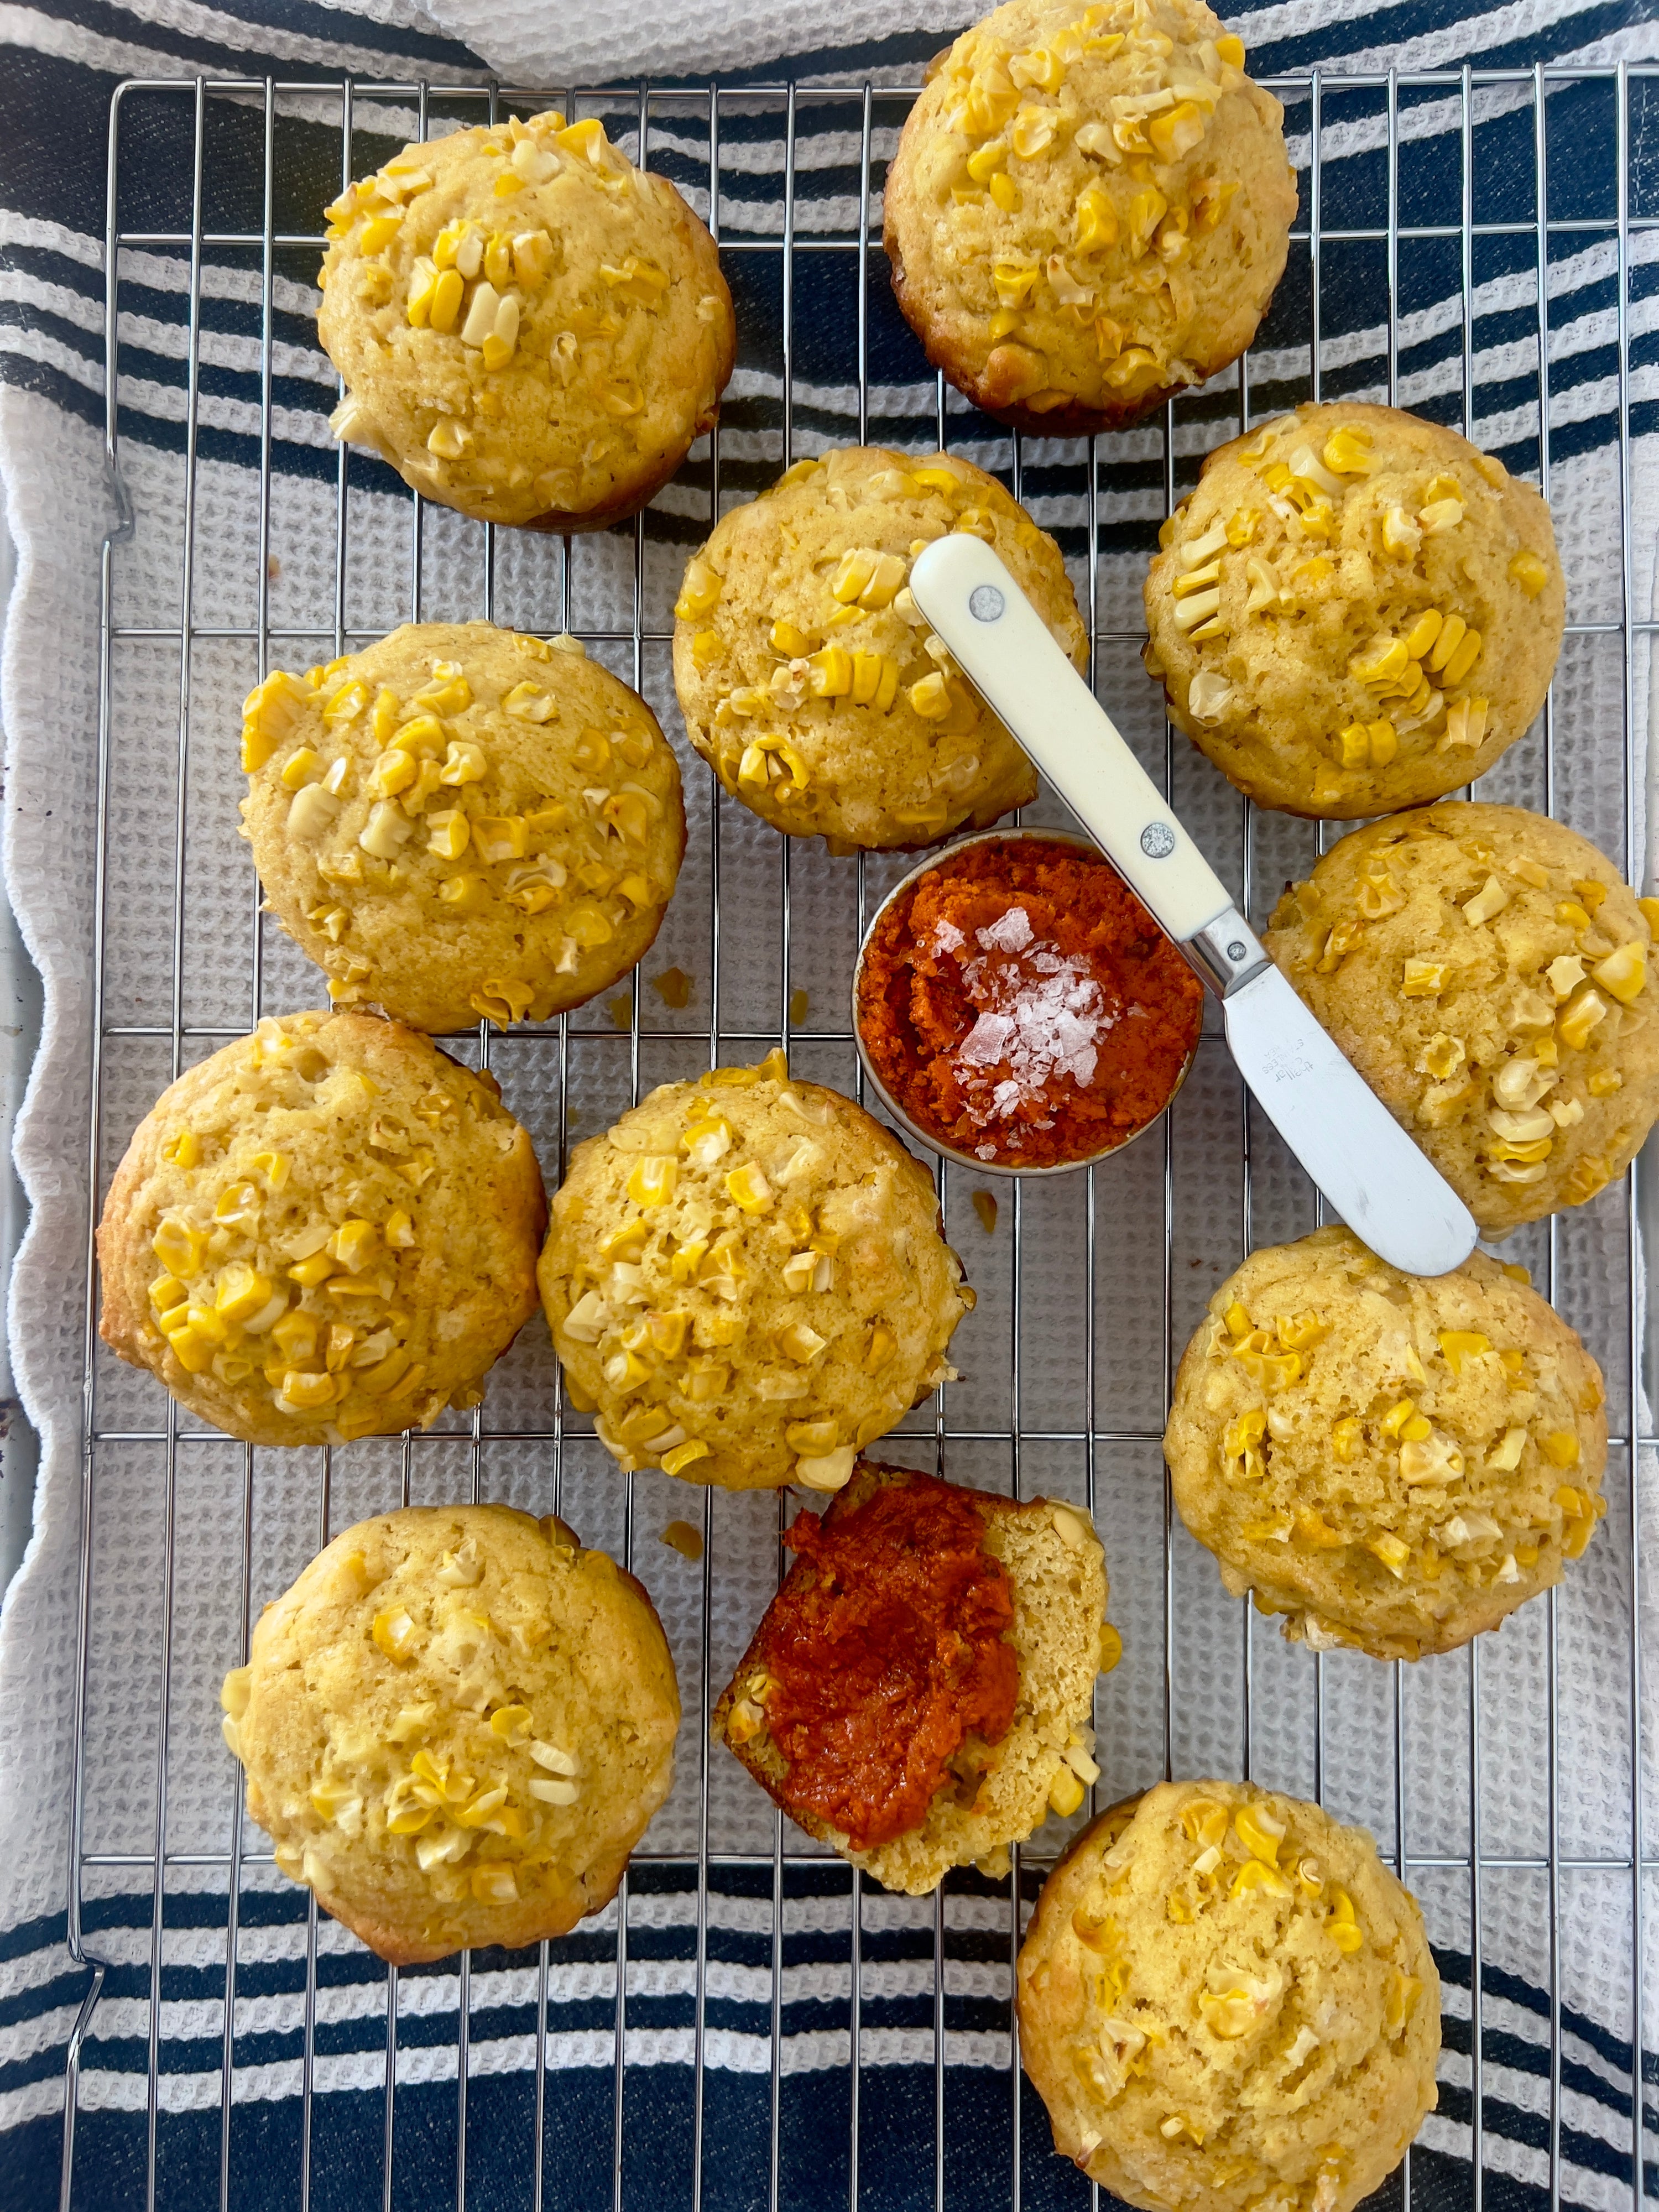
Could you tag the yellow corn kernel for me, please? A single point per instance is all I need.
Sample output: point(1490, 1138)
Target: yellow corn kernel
point(1176, 131)
point(1529, 572)
point(749, 1189)
point(1459, 664)
point(243, 1291)
point(465, 894)
point(830, 675)
point(1451, 635)
point(1231, 50)
point(1584, 1011)
point(1423, 632)
point(1382, 661)
point(1457, 1345)
point(394, 1633)
point(1396, 1417)
point(1347, 452)
point(1255, 1873)
point(707, 650)
point(1245, 1432)
point(1014, 287)
point(450, 832)
point(446, 303)
point(1111, 1648)
point(1096, 220)
point(930, 698)
point(1065, 1792)
point(179, 1247)
point(1005, 192)
point(1261, 1831)
point(882, 1347)
point(183, 1151)
point(168, 1294)
point(652, 1178)
point(1345, 1436)
point(867, 671)
point(1424, 979)
point(1624, 971)
point(1605, 1082)
point(1392, 1551)
point(684, 1456)
point(700, 590)
point(1342, 1927)
point(1561, 1450)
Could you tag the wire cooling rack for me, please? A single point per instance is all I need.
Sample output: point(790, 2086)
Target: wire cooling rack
point(721, 2034)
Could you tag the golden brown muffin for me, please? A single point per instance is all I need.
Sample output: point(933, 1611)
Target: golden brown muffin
point(1354, 610)
point(462, 821)
point(1089, 209)
point(746, 1278)
point(327, 1230)
point(808, 677)
point(529, 328)
point(846, 1619)
point(1225, 2001)
point(1393, 1461)
point(1486, 971)
point(456, 1726)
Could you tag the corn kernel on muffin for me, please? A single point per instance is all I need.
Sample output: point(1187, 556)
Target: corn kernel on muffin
point(1354, 610)
point(918, 1694)
point(1225, 2000)
point(529, 328)
point(327, 1230)
point(1391, 1462)
point(462, 821)
point(809, 679)
point(746, 1278)
point(1486, 971)
point(456, 1726)
point(1089, 209)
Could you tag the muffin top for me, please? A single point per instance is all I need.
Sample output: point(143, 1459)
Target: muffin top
point(1393, 1461)
point(1224, 1999)
point(462, 821)
point(1486, 971)
point(1090, 207)
point(324, 1231)
point(809, 680)
point(456, 1724)
point(1354, 610)
point(529, 328)
point(745, 1276)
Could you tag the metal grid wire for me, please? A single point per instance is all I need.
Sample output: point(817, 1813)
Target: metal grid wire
point(1021, 1432)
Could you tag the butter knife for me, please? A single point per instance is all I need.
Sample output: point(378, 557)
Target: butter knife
point(1373, 1176)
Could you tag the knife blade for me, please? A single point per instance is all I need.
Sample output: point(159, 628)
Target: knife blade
point(1372, 1174)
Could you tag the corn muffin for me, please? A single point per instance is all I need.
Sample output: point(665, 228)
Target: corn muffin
point(462, 821)
point(1089, 209)
point(1391, 1462)
point(746, 1278)
point(1225, 2000)
point(529, 328)
point(808, 677)
point(1354, 610)
point(918, 1694)
point(456, 1726)
point(1486, 971)
point(327, 1230)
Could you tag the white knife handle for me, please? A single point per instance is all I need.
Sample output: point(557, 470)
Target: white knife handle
point(1003, 648)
